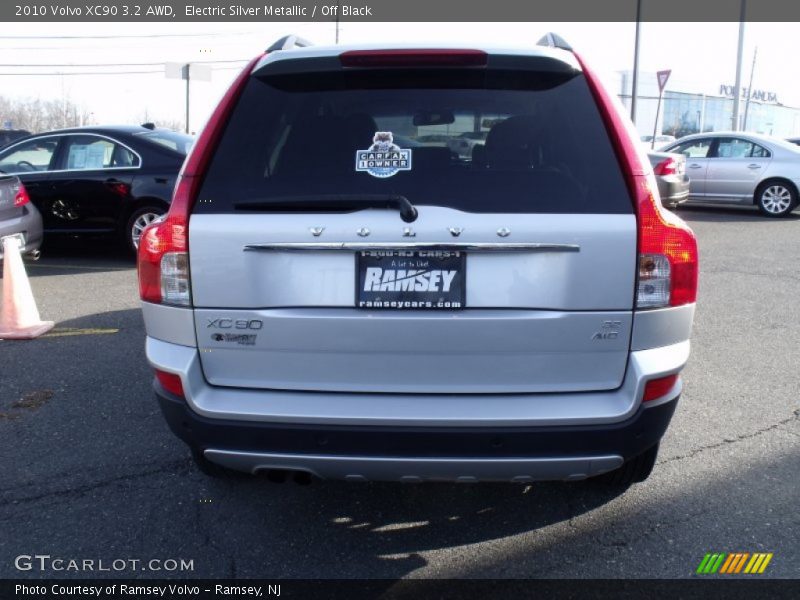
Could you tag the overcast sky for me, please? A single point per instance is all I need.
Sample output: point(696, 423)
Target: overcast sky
point(701, 55)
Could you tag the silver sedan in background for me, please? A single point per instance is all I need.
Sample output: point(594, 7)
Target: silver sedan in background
point(670, 172)
point(18, 215)
point(741, 168)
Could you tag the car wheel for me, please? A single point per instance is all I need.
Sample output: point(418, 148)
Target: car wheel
point(632, 471)
point(776, 199)
point(206, 467)
point(138, 222)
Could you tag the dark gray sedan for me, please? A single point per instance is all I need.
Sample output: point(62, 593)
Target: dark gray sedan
point(670, 172)
point(18, 215)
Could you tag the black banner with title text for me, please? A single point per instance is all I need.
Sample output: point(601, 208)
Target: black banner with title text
point(394, 11)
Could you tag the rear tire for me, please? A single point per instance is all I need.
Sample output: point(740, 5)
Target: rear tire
point(635, 470)
point(210, 469)
point(776, 198)
point(137, 222)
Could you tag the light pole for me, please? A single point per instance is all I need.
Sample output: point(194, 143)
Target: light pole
point(635, 80)
point(749, 90)
point(737, 92)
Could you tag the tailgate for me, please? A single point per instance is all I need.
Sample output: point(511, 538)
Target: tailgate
point(534, 292)
point(554, 317)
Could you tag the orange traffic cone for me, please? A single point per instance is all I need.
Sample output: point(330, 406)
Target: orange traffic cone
point(19, 317)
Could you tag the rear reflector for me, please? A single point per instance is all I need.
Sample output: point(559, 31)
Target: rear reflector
point(413, 58)
point(170, 382)
point(657, 388)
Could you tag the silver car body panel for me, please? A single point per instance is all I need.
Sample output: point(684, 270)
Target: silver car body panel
point(473, 351)
point(662, 326)
point(600, 276)
point(169, 323)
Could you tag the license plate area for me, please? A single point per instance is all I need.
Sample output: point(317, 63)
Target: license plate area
point(411, 279)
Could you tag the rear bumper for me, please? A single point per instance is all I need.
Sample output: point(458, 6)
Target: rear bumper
point(29, 224)
point(392, 453)
point(451, 437)
point(673, 191)
point(420, 410)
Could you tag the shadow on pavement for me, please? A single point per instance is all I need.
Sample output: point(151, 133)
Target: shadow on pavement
point(723, 214)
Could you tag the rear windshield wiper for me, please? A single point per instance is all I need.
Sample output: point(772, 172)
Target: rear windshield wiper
point(332, 203)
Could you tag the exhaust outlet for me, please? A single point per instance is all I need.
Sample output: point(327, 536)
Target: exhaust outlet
point(35, 255)
point(302, 478)
point(276, 475)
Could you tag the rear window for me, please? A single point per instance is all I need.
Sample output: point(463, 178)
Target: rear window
point(173, 140)
point(481, 141)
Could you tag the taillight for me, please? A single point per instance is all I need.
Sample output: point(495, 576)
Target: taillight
point(21, 197)
point(164, 262)
point(170, 382)
point(667, 258)
point(668, 166)
point(656, 388)
point(163, 258)
point(414, 58)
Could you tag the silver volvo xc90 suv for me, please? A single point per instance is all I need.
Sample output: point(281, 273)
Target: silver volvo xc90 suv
point(335, 293)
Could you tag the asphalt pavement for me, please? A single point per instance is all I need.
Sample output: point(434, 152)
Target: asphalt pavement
point(89, 469)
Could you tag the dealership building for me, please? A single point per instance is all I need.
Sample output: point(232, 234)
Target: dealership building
point(685, 110)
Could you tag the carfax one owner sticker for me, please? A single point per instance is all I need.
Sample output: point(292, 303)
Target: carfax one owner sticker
point(384, 158)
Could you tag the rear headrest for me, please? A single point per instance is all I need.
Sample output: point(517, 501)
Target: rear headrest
point(431, 157)
point(515, 143)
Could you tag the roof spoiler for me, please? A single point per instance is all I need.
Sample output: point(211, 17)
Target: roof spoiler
point(553, 40)
point(288, 42)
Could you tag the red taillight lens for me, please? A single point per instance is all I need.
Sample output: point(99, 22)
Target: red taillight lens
point(668, 257)
point(170, 382)
point(119, 188)
point(164, 244)
point(21, 198)
point(163, 258)
point(656, 388)
point(414, 58)
point(662, 234)
point(668, 166)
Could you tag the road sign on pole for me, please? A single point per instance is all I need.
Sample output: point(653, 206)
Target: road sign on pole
point(663, 76)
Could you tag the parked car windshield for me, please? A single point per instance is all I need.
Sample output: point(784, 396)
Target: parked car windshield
point(540, 144)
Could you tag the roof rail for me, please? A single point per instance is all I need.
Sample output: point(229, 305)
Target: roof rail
point(288, 42)
point(554, 41)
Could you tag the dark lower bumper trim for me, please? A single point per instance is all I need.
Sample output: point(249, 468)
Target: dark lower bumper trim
point(627, 439)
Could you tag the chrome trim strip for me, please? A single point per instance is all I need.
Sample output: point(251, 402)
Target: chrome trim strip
point(100, 135)
point(417, 469)
point(357, 246)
